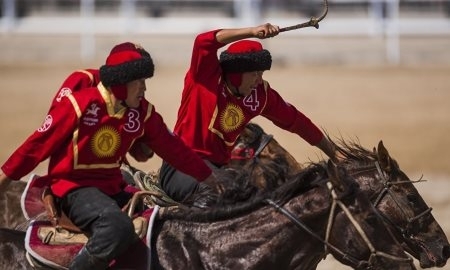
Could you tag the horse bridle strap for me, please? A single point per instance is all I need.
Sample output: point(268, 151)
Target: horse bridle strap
point(250, 153)
point(303, 226)
point(386, 190)
point(357, 226)
point(264, 142)
point(336, 201)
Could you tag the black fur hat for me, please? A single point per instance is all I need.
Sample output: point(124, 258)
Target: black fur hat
point(245, 56)
point(126, 62)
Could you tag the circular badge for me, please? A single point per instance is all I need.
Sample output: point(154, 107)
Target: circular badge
point(105, 142)
point(231, 118)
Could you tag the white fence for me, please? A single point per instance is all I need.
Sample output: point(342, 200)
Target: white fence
point(382, 19)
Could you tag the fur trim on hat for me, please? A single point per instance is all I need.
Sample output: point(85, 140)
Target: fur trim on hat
point(127, 71)
point(245, 62)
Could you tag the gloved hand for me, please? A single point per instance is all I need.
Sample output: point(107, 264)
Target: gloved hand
point(213, 183)
point(207, 192)
point(204, 196)
point(140, 151)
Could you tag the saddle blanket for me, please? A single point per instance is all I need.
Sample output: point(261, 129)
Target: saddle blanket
point(58, 251)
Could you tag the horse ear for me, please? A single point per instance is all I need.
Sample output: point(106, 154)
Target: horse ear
point(383, 157)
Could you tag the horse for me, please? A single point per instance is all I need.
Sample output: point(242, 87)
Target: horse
point(398, 202)
point(318, 211)
point(260, 154)
point(292, 227)
point(12, 216)
point(266, 155)
point(378, 174)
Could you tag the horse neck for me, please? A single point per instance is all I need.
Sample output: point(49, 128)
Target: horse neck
point(366, 175)
point(262, 237)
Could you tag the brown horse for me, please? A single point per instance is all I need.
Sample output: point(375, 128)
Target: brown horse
point(283, 229)
point(11, 216)
point(398, 201)
point(378, 174)
point(319, 210)
point(267, 162)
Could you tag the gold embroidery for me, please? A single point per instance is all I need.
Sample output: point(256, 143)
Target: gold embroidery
point(231, 118)
point(105, 142)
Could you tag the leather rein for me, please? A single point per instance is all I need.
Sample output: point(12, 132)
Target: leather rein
point(356, 263)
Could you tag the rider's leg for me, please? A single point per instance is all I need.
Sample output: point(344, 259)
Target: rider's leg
point(110, 230)
point(176, 184)
point(180, 186)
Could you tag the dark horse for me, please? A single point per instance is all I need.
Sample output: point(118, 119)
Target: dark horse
point(317, 211)
point(377, 173)
point(11, 216)
point(398, 202)
point(283, 229)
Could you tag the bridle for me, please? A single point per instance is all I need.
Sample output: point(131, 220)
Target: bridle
point(355, 262)
point(250, 153)
point(387, 184)
point(386, 190)
point(265, 139)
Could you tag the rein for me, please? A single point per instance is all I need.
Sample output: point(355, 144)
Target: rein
point(264, 142)
point(252, 154)
point(356, 262)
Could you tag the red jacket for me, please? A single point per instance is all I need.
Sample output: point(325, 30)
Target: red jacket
point(211, 118)
point(86, 143)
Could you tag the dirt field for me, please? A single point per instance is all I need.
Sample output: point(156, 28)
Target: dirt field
point(406, 107)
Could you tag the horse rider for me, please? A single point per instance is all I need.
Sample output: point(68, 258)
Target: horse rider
point(86, 137)
point(221, 95)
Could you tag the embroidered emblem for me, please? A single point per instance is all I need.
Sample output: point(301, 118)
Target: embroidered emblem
point(64, 92)
point(105, 142)
point(93, 110)
point(231, 118)
point(47, 123)
point(91, 116)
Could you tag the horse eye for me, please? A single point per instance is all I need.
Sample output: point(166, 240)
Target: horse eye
point(412, 198)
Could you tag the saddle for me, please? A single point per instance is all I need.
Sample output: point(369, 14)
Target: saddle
point(56, 248)
point(53, 240)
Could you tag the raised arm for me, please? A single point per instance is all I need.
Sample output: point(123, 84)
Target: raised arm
point(264, 31)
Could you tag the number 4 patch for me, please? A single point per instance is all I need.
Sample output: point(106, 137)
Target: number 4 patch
point(252, 101)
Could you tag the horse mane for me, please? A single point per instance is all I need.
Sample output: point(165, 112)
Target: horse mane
point(356, 156)
point(352, 150)
point(302, 181)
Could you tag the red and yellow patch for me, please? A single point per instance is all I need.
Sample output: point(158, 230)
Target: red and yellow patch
point(231, 118)
point(105, 142)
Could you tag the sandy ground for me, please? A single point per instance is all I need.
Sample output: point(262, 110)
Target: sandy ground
point(406, 107)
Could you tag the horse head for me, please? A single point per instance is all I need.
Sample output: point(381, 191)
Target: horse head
point(259, 153)
point(398, 202)
point(358, 234)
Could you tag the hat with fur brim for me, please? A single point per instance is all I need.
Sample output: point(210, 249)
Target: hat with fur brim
point(126, 62)
point(245, 56)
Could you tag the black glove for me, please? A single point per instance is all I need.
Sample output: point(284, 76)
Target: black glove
point(204, 196)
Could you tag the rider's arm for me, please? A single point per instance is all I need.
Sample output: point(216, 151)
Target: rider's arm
point(329, 149)
point(231, 35)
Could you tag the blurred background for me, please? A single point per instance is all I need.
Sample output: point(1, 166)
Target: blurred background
point(382, 31)
point(374, 70)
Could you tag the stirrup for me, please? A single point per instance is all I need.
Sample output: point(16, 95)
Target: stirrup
point(149, 182)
